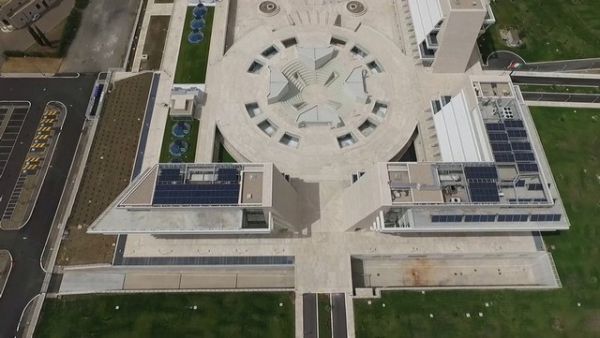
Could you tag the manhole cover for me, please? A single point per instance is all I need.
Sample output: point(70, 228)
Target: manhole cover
point(268, 7)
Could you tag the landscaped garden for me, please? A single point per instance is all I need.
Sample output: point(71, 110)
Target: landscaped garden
point(179, 141)
point(550, 29)
point(195, 45)
point(571, 138)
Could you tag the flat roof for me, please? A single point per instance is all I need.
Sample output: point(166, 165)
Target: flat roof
point(465, 4)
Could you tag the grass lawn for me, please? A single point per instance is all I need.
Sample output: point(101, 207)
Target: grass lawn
point(224, 315)
point(324, 305)
point(191, 139)
point(559, 89)
point(571, 140)
point(193, 59)
point(223, 156)
point(551, 29)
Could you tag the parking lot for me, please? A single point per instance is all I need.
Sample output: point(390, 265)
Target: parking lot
point(12, 117)
point(27, 244)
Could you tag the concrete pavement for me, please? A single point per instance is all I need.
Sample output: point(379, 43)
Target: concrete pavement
point(97, 279)
point(103, 38)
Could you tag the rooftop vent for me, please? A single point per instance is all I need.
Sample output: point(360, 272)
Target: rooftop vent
point(356, 8)
point(269, 8)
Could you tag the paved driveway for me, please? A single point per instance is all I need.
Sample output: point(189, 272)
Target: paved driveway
point(103, 37)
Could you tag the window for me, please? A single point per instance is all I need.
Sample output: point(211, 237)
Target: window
point(270, 52)
point(446, 218)
point(287, 43)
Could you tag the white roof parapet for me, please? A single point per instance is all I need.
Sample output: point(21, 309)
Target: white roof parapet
point(279, 86)
point(426, 14)
point(316, 57)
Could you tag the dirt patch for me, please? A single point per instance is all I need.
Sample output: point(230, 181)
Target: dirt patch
point(107, 171)
point(592, 323)
point(419, 273)
point(155, 42)
point(31, 65)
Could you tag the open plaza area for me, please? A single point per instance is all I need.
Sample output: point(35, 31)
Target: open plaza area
point(310, 169)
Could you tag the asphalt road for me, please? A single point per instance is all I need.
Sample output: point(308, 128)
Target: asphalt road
point(562, 97)
point(309, 318)
point(565, 81)
point(501, 60)
point(26, 245)
point(338, 310)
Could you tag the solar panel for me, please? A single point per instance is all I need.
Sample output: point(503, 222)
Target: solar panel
point(520, 146)
point(528, 167)
point(520, 183)
point(514, 124)
point(513, 218)
point(535, 186)
point(494, 126)
point(446, 218)
point(189, 194)
point(545, 217)
point(228, 174)
point(504, 157)
point(524, 156)
point(481, 172)
point(498, 147)
point(480, 218)
point(495, 136)
point(516, 133)
point(169, 175)
point(484, 192)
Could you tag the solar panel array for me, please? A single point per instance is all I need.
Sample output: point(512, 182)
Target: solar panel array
point(228, 174)
point(510, 144)
point(482, 180)
point(172, 188)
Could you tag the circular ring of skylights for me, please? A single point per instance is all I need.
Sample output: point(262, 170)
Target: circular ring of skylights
point(356, 8)
point(268, 8)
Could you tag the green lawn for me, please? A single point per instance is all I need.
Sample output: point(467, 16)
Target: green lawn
point(572, 142)
point(223, 156)
point(224, 315)
point(191, 139)
point(324, 305)
point(193, 59)
point(551, 29)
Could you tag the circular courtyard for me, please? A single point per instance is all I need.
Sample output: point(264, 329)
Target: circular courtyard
point(316, 100)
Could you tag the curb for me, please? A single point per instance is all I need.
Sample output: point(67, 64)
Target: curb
point(8, 273)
